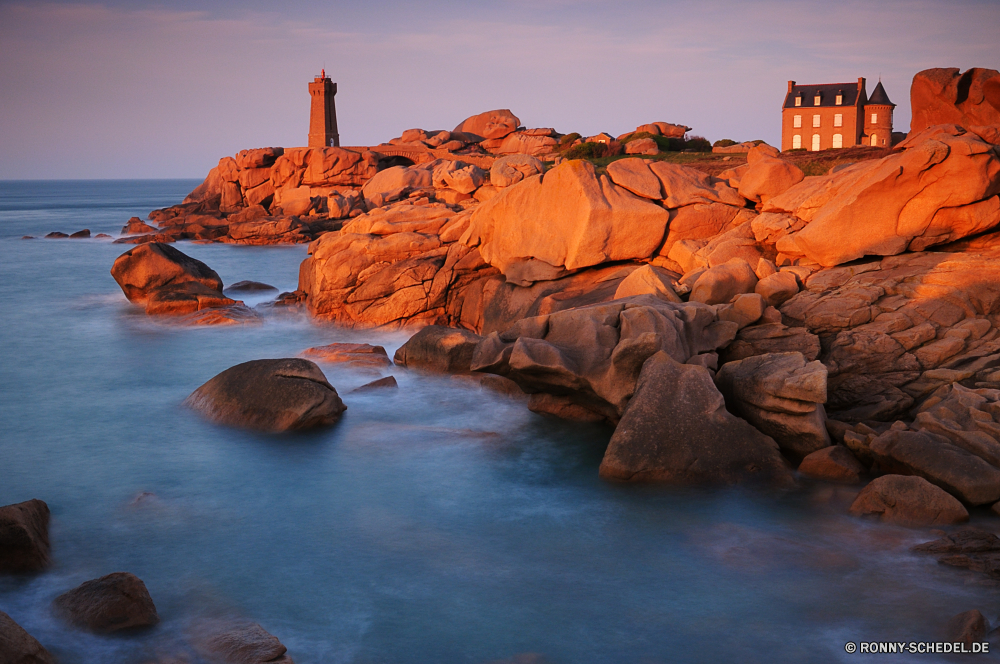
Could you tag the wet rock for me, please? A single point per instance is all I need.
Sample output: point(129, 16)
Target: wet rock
point(360, 355)
point(908, 501)
point(970, 548)
point(269, 395)
point(933, 458)
point(676, 429)
point(151, 266)
point(967, 628)
point(250, 287)
point(85, 233)
point(55, 235)
point(241, 642)
point(439, 348)
point(782, 395)
point(235, 314)
point(835, 463)
point(115, 602)
point(136, 226)
point(389, 382)
point(101, 236)
point(24, 536)
point(185, 298)
point(19, 647)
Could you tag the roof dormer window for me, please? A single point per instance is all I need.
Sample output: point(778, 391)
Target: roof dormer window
point(798, 99)
point(840, 99)
point(816, 100)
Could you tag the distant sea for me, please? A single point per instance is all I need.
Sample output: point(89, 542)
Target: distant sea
point(436, 523)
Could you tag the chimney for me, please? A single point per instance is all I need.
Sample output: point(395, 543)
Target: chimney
point(791, 84)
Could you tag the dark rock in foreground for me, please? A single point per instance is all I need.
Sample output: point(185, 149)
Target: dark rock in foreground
point(967, 628)
point(269, 395)
point(19, 647)
point(389, 382)
point(971, 549)
point(24, 536)
point(438, 348)
point(676, 428)
point(111, 603)
point(239, 643)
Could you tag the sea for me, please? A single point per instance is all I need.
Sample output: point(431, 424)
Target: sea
point(434, 523)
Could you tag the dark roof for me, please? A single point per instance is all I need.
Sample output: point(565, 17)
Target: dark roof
point(879, 96)
point(828, 94)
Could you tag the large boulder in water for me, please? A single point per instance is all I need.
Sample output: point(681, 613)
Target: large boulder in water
point(19, 647)
point(149, 267)
point(439, 348)
point(676, 429)
point(945, 96)
point(908, 501)
point(109, 604)
point(270, 395)
point(24, 536)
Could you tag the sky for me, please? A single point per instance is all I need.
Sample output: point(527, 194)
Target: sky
point(163, 90)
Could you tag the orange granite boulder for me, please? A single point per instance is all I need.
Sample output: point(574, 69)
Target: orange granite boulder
point(490, 125)
point(946, 96)
point(154, 265)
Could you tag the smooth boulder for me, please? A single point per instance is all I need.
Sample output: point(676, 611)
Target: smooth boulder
point(949, 96)
point(238, 642)
point(269, 395)
point(511, 169)
point(24, 536)
point(439, 348)
point(490, 125)
point(909, 501)
point(676, 429)
point(151, 266)
point(112, 603)
point(835, 463)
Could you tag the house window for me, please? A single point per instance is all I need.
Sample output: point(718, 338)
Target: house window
point(840, 100)
point(796, 142)
point(797, 121)
point(874, 118)
point(798, 100)
point(838, 140)
point(838, 120)
point(815, 120)
point(874, 141)
point(816, 100)
point(815, 146)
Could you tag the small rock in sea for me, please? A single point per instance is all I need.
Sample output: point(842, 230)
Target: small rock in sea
point(102, 236)
point(908, 500)
point(377, 385)
point(363, 355)
point(27, 237)
point(85, 233)
point(967, 628)
point(439, 348)
point(109, 604)
point(247, 286)
point(136, 226)
point(269, 395)
point(19, 647)
point(241, 642)
point(56, 235)
point(24, 536)
point(969, 548)
point(289, 299)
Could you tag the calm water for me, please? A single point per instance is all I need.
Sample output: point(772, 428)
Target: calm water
point(433, 524)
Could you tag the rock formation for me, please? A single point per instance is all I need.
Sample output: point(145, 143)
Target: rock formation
point(238, 642)
point(19, 647)
point(946, 96)
point(24, 537)
point(111, 603)
point(908, 501)
point(269, 395)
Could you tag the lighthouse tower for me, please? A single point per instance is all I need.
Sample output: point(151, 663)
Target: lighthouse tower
point(878, 119)
point(323, 113)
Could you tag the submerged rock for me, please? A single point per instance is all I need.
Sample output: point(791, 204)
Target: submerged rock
point(360, 355)
point(970, 548)
point(111, 603)
point(967, 628)
point(676, 429)
point(242, 642)
point(269, 395)
point(908, 501)
point(24, 536)
point(250, 286)
point(19, 647)
point(439, 348)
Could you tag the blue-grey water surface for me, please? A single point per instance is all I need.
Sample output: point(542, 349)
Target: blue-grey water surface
point(438, 523)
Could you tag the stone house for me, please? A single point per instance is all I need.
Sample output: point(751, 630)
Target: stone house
point(835, 115)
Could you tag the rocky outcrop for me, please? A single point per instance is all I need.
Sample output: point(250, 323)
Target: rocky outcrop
point(514, 168)
point(238, 642)
point(972, 549)
point(150, 267)
point(439, 349)
point(490, 125)
point(564, 220)
point(946, 96)
point(782, 395)
point(111, 603)
point(592, 355)
point(939, 186)
point(908, 501)
point(834, 463)
point(19, 647)
point(24, 537)
point(676, 429)
point(269, 395)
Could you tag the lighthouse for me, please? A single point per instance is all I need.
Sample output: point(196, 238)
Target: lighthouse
point(323, 113)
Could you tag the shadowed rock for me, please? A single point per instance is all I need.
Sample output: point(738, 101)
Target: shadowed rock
point(109, 604)
point(19, 647)
point(24, 536)
point(835, 463)
point(438, 348)
point(238, 643)
point(269, 395)
point(967, 628)
point(908, 501)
